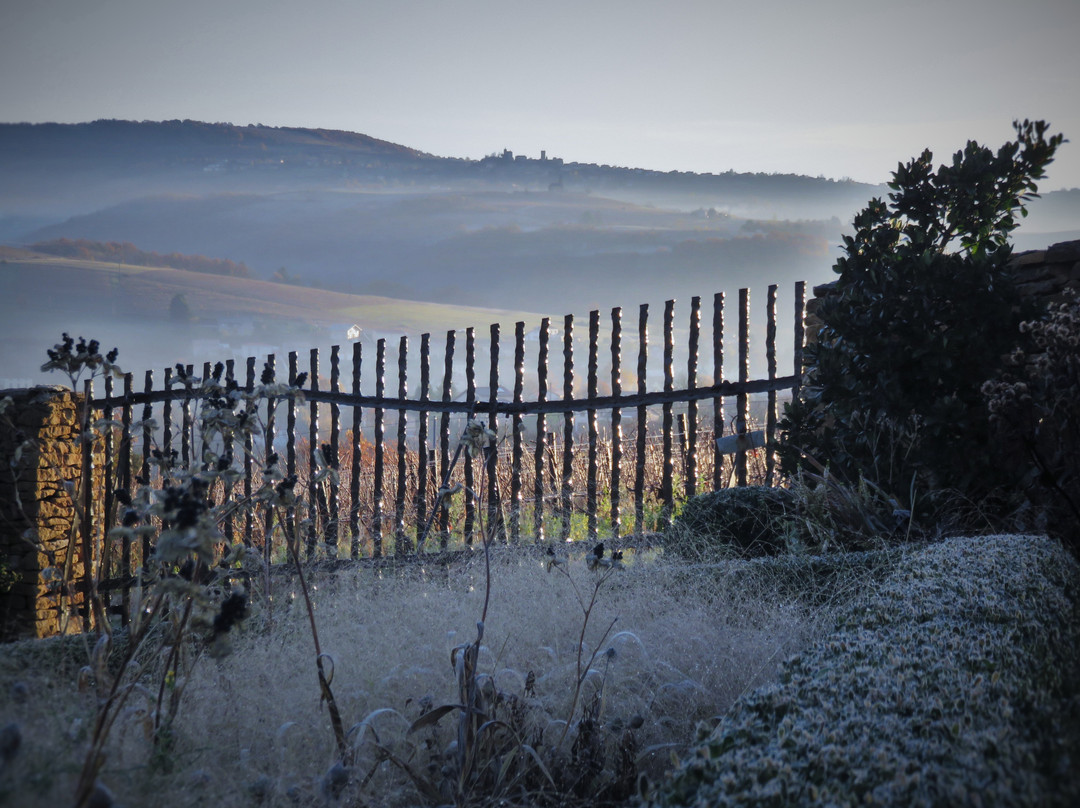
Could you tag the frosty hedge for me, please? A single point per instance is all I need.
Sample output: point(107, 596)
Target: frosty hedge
point(954, 683)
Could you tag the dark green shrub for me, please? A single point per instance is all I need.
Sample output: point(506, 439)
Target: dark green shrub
point(1034, 409)
point(919, 318)
point(746, 522)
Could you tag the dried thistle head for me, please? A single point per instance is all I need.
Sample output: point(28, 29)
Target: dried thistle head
point(75, 359)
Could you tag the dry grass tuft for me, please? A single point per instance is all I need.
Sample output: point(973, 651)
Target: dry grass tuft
point(252, 730)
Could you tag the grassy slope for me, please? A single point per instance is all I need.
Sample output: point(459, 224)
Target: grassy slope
point(92, 284)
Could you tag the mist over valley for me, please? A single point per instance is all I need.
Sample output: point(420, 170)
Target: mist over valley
point(335, 229)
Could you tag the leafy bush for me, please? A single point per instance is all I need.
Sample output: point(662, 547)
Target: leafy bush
point(833, 515)
point(817, 513)
point(746, 521)
point(919, 318)
point(1034, 409)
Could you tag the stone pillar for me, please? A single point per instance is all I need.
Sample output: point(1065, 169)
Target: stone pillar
point(40, 458)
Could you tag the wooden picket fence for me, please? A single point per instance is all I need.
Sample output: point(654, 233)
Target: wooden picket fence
point(608, 465)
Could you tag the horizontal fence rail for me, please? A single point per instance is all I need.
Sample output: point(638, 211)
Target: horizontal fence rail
point(499, 407)
point(568, 459)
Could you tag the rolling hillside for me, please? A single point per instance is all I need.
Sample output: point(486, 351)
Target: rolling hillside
point(129, 306)
point(564, 251)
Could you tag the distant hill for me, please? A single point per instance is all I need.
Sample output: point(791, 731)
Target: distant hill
point(105, 157)
point(50, 171)
point(179, 141)
point(109, 161)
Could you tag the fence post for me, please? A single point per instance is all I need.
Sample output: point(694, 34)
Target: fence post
point(718, 377)
point(401, 541)
point(166, 430)
point(742, 400)
point(357, 452)
point(495, 526)
point(187, 434)
point(109, 467)
point(444, 439)
point(91, 618)
point(518, 428)
point(568, 427)
point(229, 450)
point(616, 421)
point(377, 494)
point(642, 420)
point(125, 484)
point(800, 336)
point(290, 452)
point(314, 489)
point(541, 431)
point(271, 430)
point(667, 491)
point(145, 471)
point(249, 462)
point(690, 467)
point(470, 399)
point(332, 527)
point(594, 433)
point(770, 357)
point(422, 481)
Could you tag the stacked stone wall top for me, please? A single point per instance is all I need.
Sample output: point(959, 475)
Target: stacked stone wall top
point(1045, 274)
point(1049, 273)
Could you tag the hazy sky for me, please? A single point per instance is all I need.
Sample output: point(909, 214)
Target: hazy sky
point(832, 87)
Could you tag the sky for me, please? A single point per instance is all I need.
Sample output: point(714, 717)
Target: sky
point(836, 88)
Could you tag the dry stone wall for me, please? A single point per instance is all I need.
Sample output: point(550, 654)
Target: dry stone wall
point(1046, 274)
point(41, 563)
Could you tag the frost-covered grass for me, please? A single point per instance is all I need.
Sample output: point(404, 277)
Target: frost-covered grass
point(251, 729)
point(952, 680)
point(954, 683)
